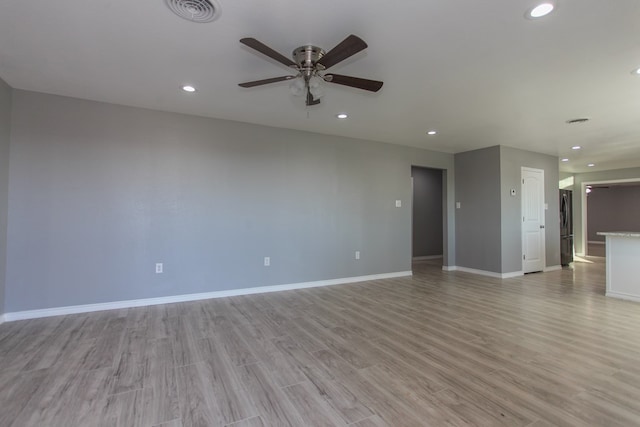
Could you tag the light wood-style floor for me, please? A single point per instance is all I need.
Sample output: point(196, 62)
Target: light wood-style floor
point(441, 348)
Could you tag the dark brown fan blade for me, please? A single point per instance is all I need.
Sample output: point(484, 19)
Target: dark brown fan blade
point(266, 50)
point(370, 85)
point(347, 47)
point(266, 81)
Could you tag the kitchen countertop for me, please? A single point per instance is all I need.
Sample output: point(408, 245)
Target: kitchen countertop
point(619, 233)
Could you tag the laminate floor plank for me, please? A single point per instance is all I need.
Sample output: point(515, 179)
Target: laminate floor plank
point(303, 361)
point(377, 398)
point(249, 422)
point(64, 400)
point(437, 348)
point(268, 400)
point(423, 406)
point(104, 351)
point(311, 407)
point(346, 403)
point(16, 391)
point(123, 410)
point(185, 341)
point(130, 363)
point(374, 421)
point(236, 348)
point(160, 384)
point(84, 406)
point(172, 423)
point(336, 343)
point(219, 375)
point(197, 403)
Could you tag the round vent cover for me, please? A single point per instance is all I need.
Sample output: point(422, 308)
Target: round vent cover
point(195, 10)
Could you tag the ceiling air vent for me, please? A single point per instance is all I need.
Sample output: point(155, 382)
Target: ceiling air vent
point(195, 10)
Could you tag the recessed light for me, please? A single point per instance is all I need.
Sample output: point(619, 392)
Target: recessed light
point(576, 147)
point(636, 71)
point(565, 160)
point(540, 10)
point(591, 165)
point(188, 88)
point(342, 115)
point(432, 132)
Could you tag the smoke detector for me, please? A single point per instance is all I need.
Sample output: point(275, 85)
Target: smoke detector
point(195, 10)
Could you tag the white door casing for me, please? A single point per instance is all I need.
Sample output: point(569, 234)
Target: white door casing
point(533, 226)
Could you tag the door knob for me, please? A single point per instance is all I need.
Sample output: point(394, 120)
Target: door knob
point(542, 226)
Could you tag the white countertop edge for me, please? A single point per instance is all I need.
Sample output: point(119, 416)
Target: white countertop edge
point(619, 233)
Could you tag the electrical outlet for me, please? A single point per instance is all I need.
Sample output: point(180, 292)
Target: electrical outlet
point(398, 203)
point(357, 254)
point(159, 268)
point(267, 261)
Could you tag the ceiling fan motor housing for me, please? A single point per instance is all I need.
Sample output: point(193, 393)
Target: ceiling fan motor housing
point(306, 57)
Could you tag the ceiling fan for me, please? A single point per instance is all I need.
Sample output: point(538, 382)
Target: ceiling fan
point(310, 62)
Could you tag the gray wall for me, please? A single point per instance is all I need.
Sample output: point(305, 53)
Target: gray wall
point(5, 126)
point(579, 199)
point(100, 193)
point(616, 208)
point(488, 224)
point(478, 231)
point(427, 211)
point(512, 161)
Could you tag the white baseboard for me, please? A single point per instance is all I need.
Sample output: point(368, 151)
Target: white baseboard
point(484, 272)
point(2, 319)
point(621, 295)
point(552, 268)
point(595, 242)
point(511, 274)
point(426, 257)
point(87, 308)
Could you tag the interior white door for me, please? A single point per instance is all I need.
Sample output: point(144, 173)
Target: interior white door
point(533, 232)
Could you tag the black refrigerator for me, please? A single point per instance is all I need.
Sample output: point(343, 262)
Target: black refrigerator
point(566, 227)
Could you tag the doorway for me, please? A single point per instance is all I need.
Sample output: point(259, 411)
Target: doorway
point(427, 214)
point(612, 205)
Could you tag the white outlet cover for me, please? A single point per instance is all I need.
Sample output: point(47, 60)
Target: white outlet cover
point(159, 268)
point(398, 203)
point(267, 261)
point(458, 205)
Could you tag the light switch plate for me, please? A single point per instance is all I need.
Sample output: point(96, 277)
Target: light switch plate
point(398, 203)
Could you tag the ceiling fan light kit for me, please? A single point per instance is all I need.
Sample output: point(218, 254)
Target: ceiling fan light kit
point(311, 62)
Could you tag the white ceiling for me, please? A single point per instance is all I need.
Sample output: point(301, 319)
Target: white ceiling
point(477, 71)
